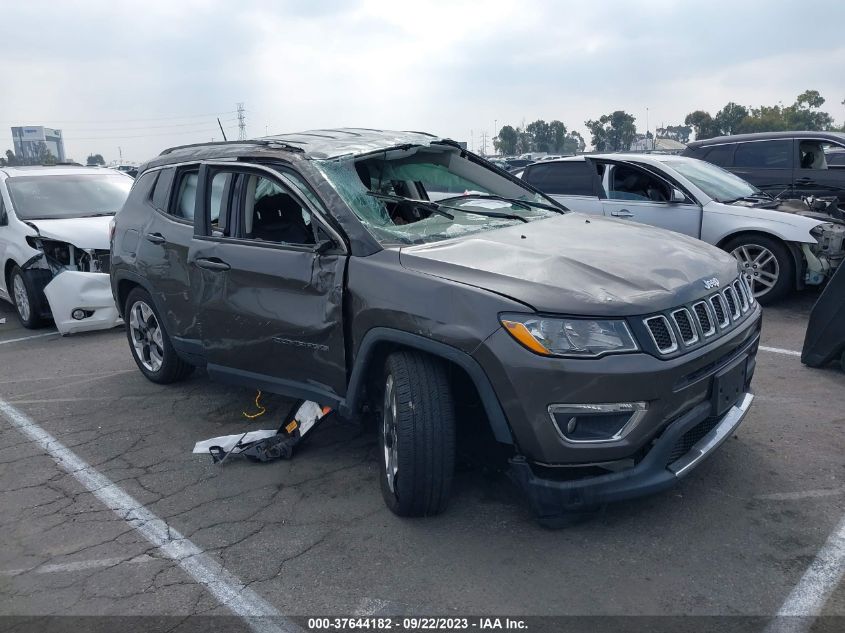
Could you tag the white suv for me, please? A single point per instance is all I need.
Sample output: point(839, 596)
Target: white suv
point(54, 244)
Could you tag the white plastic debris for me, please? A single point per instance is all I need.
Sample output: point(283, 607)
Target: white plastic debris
point(228, 442)
point(87, 294)
point(307, 416)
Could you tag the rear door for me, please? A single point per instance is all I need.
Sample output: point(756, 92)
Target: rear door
point(815, 173)
point(269, 282)
point(635, 193)
point(767, 164)
point(163, 250)
point(574, 183)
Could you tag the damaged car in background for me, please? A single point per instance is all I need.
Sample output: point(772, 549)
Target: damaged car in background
point(782, 245)
point(396, 277)
point(54, 244)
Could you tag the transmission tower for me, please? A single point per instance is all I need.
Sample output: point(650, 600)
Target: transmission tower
point(241, 122)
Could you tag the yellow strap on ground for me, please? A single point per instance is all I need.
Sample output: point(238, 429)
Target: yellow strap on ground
point(261, 410)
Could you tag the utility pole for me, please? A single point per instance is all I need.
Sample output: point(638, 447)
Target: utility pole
point(120, 153)
point(241, 122)
point(646, 130)
point(483, 143)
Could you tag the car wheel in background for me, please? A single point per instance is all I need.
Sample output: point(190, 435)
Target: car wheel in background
point(25, 298)
point(151, 347)
point(766, 263)
point(417, 435)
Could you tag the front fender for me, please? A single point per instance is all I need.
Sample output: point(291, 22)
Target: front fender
point(720, 221)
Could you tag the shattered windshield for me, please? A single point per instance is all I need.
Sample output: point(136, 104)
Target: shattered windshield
point(429, 194)
point(719, 184)
point(68, 196)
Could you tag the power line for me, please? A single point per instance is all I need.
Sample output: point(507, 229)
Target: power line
point(165, 118)
point(203, 130)
point(73, 130)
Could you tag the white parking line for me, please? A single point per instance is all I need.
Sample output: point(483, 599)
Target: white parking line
point(27, 338)
point(779, 350)
point(79, 565)
point(801, 494)
point(259, 614)
point(809, 596)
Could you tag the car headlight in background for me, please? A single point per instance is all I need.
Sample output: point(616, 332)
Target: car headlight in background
point(555, 336)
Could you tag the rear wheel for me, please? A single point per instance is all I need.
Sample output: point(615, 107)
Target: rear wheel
point(25, 297)
point(766, 263)
point(417, 435)
point(151, 347)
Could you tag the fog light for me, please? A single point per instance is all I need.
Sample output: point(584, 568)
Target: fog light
point(588, 423)
point(78, 314)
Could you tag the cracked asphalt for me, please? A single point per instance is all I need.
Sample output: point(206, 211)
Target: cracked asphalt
point(312, 536)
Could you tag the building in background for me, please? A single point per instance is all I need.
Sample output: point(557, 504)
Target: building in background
point(27, 142)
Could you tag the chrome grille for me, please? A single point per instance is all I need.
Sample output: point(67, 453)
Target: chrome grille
point(719, 310)
point(695, 324)
point(661, 334)
point(733, 304)
point(705, 321)
point(682, 318)
point(743, 300)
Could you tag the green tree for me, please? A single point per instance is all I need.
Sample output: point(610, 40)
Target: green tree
point(702, 124)
point(557, 131)
point(11, 160)
point(804, 114)
point(541, 136)
point(95, 159)
point(680, 133)
point(729, 119)
point(612, 132)
point(505, 141)
point(574, 143)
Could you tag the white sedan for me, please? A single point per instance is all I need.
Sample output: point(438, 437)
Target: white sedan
point(781, 245)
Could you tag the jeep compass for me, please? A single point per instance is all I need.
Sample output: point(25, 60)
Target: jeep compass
point(398, 273)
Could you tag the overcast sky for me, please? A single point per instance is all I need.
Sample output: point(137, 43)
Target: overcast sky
point(147, 75)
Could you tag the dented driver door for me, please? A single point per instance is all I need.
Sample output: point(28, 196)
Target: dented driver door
point(269, 279)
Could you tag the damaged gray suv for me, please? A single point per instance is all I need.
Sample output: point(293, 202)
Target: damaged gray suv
point(397, 273)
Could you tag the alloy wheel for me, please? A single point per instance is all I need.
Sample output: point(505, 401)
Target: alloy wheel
point(389, 435)
point(146, 336)
point(21, 297)
point(760, 267)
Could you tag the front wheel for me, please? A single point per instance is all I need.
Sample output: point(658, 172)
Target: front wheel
point(26, 300)
point(151, 347)
point(766, 264)
point(417, 435)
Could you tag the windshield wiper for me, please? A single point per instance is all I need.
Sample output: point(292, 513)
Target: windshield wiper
point(425, 204)
point(438, 207)
point(525, 204)
point(752, 198)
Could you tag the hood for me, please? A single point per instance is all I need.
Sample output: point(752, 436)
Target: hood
point(580, 265)
point(81, 232)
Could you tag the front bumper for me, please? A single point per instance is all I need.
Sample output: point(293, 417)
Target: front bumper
point(659, 470)
point(89, 292)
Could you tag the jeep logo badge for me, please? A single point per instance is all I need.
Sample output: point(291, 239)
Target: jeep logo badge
point(711, 283)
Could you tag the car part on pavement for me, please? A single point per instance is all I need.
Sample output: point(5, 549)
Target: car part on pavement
point(825, 337)
point(266, 445)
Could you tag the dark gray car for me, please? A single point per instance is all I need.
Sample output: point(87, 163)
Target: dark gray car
point(396, 272)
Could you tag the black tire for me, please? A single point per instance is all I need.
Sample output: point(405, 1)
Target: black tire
point(424, 435)
point(29, 312)
point(167, 367)
point(785, 282)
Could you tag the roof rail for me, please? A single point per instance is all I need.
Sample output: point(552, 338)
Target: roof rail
point(262, 142)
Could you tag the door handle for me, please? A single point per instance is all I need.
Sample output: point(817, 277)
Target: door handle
point(155, 238)
point(804, 181)
point(622, 213)
point(212, 264)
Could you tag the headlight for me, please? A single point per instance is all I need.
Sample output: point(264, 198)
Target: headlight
point(584, 338)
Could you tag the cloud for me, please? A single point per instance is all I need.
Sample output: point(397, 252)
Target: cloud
point(144, 77)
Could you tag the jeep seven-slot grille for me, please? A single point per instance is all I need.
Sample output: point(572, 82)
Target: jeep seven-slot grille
point(688, 326)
